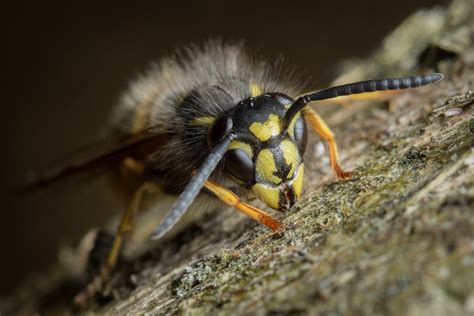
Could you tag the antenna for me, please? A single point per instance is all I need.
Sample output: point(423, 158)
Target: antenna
point(359, 87)
point(192, 189)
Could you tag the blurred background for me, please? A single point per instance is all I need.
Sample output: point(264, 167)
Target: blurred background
point(67, 64)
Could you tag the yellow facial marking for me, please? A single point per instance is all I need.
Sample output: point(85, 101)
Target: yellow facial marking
point(291, 155)
point(298, 181)
point(255, 90)
point(236, 144)
point(263, 131)
point(271, 196)
point(291, 127)
point(266, 167)
point(203, 120)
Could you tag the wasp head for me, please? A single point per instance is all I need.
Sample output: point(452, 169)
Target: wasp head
point(265, 156)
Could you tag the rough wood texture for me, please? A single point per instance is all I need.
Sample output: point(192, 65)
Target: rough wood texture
point(396, 239)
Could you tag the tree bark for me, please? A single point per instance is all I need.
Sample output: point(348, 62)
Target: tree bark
point(397, 239)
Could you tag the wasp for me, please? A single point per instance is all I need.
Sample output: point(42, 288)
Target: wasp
point(214, 122)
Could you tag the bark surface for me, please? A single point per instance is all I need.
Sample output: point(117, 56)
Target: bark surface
point(396, 239)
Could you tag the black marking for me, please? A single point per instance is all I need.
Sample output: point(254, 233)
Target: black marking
point(286, 198)
point(249, 111)
point(282, 169)
point(256, 109)
point(291, 195)
point(282, 202)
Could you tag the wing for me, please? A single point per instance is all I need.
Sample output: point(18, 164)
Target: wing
point(101, 154)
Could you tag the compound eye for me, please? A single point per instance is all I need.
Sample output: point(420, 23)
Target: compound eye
point(240, 165)
point(301, 135)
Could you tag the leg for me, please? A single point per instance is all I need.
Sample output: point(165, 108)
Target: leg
point(320, 127)
point(229, 198)
point(132, 166)
point(125, 227)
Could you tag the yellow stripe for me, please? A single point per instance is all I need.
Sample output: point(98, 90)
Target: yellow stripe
point(236, 144)
point(298, 181)
point(291, 155)
point(263, 131)
point(266, 166)
point(203, 120)
point(271, 196)
point(291, 127)
point(255, 90)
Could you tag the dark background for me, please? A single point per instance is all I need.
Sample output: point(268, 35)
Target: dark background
point(66, 66)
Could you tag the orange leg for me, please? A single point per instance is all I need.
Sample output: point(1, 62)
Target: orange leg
point(132, 166)
point(320, 127)
point(229, 198)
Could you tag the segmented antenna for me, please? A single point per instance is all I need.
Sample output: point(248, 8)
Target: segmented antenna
point(192, 189)
point(360, 87)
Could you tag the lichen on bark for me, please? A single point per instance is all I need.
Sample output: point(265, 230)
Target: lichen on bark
point(398, 238)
